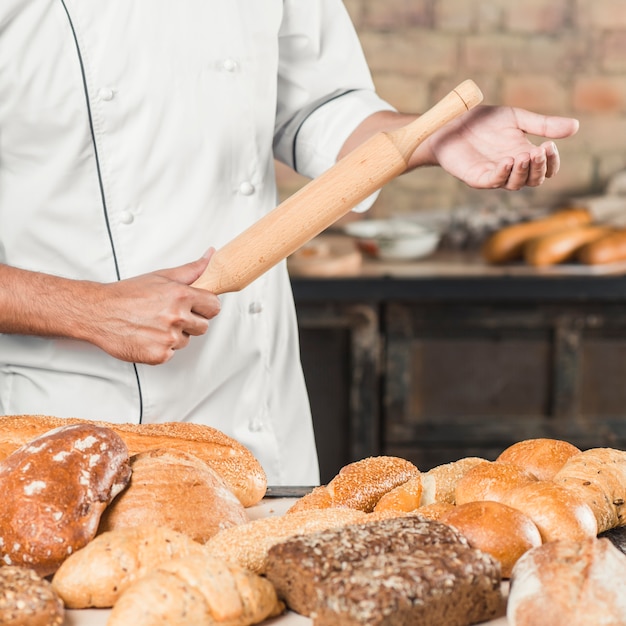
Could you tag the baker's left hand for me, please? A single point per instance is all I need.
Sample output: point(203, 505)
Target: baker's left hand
point(488, 147)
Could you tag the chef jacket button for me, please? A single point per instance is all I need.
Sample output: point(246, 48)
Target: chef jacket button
point(255, 425)
point(246, 188)
point(106, 94)
point(229, 65)
point(126, 217)
point(254, 308)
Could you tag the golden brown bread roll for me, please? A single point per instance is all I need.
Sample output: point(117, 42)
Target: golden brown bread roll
point(562, 245)
point(608, 249)
point(490, 481)
point(558, 513)
point(359, 485)
point(569, 584)
point(229, 458)
point(55, 489)
point(435, 511)
point(508, 243)
point(403, 498)
point(197, 590)
point(26, 599)
point(249, 544)
point(495, 528)
point(96, 575)
point(439, 483)
point(599, 475)
point(176, 490)
point(541, 457)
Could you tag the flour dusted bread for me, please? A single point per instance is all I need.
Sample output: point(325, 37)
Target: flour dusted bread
point(196, 590)
point(569, 584)
point(99, 573)
point(26, 599)
point(176, 490)
point(404, 570)
point(229, 458)
point(55, 489)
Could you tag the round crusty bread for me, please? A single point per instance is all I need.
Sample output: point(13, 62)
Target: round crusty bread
point(439, 483)
point(490, 481)
point(435, 511)
point(558, 513)
point(569, 584)
point(229, 458)
point(55, 489)
point(26, 599)
point(541, 457)
point(178, 491)
point(403, 498)
point(495, 528)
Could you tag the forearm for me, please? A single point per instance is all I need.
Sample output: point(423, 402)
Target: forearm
point(33, 303)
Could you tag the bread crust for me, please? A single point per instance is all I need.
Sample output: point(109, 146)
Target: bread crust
point(229, 458)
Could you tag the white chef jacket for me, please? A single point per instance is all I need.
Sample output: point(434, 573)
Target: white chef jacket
point(134, 134)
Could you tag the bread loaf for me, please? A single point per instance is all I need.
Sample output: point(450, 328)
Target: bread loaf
point(26, 599)
point(598, 475)
point(397, 571)
point(495, 528)
point(508, 243)
point(608, 249)
point(96, 575)
point(490, 481)
point(55, 489)
point(558, 513)
point(196, 590)
point(569, 584)
point(176, 490)
point(359, 485)
point(439, 483)
point(248, 545)
point(229, 458)
point(403, 498)
point(541, 457)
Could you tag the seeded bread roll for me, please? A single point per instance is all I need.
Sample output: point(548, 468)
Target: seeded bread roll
point(359, 485)
point(541, 457)
point(55, 490)
point(569, 584)
point(26, 599)
point(396, 571)
point(490, 481)
point(439, 483)
point(96, 575)
point(403, 498)
point(176, 490)
point(229, 458)
point(495, 528)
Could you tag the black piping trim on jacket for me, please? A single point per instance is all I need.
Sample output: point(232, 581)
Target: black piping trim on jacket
point(319, 105)
point(100, 182)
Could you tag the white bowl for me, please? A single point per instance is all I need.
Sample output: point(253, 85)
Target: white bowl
point(393, 239)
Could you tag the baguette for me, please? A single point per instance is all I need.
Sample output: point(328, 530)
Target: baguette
point(561, 245)
point(161, 481)
point(196, 590)
point(55, 490)
point(97, 575)
point(508, 243)
point(608, 249)
point(229, 458)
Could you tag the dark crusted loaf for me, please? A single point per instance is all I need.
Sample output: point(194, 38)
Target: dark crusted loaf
point(390, 572)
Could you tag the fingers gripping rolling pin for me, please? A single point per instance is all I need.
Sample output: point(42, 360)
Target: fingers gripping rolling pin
point(328, 197)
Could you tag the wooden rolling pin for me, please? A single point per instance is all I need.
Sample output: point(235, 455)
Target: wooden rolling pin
point(328, 197)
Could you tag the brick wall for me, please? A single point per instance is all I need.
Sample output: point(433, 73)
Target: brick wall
point(564, 57)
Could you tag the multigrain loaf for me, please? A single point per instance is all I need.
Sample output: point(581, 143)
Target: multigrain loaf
point(404, 570)
point(567, 583)
point(229, 458)
point(55, 489)
point(96, 575)
point(176, 490)
point(26, 599)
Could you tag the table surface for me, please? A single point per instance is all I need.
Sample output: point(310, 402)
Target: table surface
point(267, 508)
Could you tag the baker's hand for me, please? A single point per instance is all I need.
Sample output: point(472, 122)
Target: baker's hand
point(488, 147)
point(147, 318)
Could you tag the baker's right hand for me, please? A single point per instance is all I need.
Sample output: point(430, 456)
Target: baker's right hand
point(147, 318)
